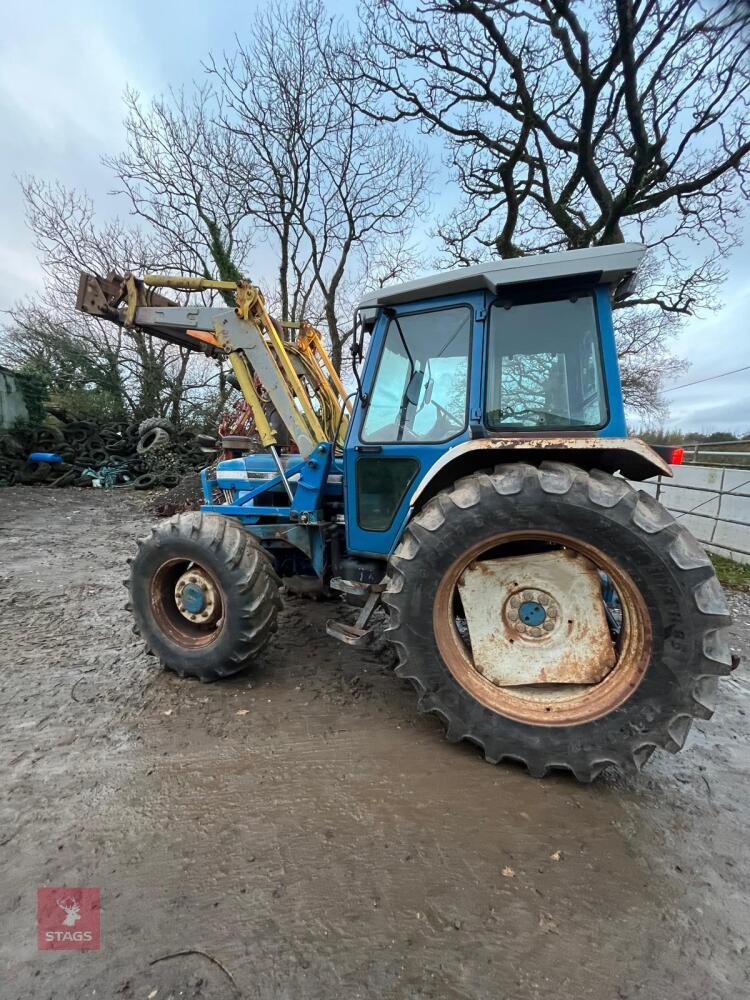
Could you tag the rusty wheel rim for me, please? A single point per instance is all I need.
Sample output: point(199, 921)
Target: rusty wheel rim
point(186, 629)
point(566, 707)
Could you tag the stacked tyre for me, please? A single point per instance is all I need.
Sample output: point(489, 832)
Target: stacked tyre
point(141, 455)
point(11, 459)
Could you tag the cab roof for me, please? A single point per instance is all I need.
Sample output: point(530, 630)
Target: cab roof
point(606, 265)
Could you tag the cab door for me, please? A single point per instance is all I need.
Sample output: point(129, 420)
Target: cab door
point(418, 383)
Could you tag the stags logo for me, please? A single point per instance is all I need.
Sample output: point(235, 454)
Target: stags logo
point(68, 918)
point(72, 911)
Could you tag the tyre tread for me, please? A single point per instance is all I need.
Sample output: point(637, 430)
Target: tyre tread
point(647, 516)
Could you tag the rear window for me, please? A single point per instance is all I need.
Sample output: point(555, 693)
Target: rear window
point(544, 368)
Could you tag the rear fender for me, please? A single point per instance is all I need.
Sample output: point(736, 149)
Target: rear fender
point(631, 457)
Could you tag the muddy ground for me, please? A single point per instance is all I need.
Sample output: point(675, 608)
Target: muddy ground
point(302, 827)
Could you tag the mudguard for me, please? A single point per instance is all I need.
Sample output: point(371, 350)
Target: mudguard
point(631, 457)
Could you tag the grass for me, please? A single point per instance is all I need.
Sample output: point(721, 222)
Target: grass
point(731, 573)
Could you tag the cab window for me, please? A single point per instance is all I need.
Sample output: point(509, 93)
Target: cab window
point(421, 387)
point(544, 366)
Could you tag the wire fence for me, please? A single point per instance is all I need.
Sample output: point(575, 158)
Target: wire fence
point(713, 502)
point(735, 454)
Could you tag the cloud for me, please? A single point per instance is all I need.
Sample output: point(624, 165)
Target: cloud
point(68, 96)
point(714, 344)
point(20, 272)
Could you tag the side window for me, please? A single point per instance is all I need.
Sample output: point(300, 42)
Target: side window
point(421, 387)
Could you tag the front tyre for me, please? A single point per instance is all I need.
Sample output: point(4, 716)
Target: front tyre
point(204, 595)
point(557, 618)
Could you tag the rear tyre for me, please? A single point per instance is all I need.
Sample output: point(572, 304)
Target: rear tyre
point(670, 650)
point(204, 595)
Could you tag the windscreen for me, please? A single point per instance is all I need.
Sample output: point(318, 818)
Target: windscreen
point(420, 390)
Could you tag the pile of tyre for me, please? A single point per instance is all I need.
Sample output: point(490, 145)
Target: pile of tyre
point(146, 455)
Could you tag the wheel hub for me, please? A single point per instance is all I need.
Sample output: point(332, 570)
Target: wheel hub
point(193, 598)
point(196, 597)
point(532, 613)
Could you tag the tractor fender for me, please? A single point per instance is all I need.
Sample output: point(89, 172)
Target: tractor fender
point(631, 457)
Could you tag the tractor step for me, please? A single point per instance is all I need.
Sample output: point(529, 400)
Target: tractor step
point(349, 634)
point(355, 588)
point(357, 634)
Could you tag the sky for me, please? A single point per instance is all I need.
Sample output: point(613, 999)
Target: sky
point(63, 71)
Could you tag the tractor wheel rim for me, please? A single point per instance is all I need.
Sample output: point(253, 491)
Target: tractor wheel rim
point(187, 603)
point(546, 706)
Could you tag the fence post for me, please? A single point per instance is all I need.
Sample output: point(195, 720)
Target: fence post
point(718, 508)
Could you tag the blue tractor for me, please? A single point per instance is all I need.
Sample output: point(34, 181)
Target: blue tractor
point(471, 498)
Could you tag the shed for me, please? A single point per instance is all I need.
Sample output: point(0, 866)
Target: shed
point(12, 405)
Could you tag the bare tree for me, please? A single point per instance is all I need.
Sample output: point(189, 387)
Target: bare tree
point(68, 236)
point(272, 150)
point(643, 347)
point(573, 125)
point(336, 192)
point(180, 174)
point(272, 96)
point(143, 376)
point(176, 174)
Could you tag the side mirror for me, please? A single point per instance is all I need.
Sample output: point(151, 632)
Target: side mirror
point(625, 288)
point(414, 388)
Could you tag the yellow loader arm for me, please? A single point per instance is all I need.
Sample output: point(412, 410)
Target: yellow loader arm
point(298, 375)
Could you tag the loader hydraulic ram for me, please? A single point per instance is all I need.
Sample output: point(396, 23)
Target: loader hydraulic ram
point(477, 492)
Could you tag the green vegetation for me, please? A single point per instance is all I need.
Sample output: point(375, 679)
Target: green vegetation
point(717, 448)
point(731, 573)
point(669, 435)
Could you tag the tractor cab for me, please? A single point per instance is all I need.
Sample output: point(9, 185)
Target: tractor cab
point(498, 352)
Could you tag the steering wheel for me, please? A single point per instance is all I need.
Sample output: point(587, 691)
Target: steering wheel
point(447, 416)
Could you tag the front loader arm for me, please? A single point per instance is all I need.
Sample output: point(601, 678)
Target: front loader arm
point(291, 374)
point(116, 299)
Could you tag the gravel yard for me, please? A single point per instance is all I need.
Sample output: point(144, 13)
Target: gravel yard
point(300, 832)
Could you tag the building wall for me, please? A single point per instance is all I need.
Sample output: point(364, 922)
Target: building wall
point(12, 406)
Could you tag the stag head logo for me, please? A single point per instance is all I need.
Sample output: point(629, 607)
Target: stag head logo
point(72, 910)
point(68, 917)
